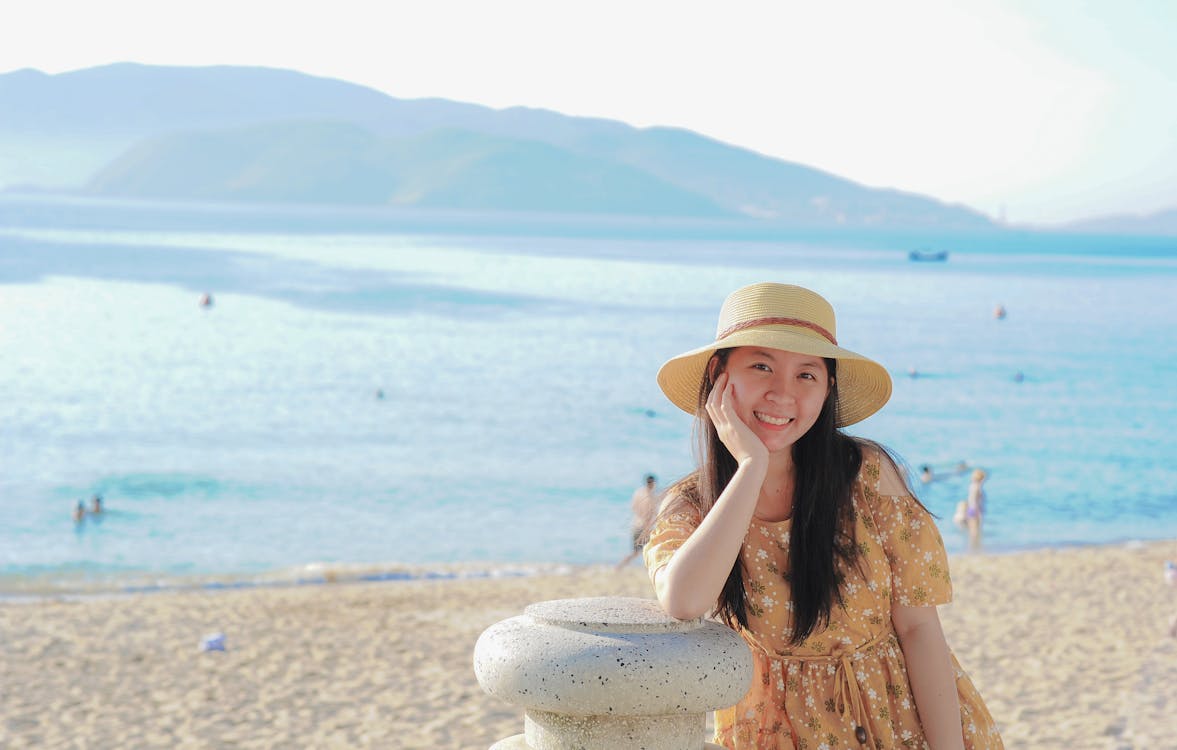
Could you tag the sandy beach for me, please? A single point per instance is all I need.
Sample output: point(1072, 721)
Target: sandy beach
point(1069, 648)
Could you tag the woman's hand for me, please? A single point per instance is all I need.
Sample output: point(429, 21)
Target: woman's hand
point(736, 436)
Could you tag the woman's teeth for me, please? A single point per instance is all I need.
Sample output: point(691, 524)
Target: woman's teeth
point(778, 421)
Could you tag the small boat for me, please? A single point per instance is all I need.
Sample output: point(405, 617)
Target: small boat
point(927, 255)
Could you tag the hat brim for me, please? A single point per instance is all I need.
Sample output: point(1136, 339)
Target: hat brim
point(863, 384)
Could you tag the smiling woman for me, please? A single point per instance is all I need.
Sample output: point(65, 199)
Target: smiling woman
point(808, 542)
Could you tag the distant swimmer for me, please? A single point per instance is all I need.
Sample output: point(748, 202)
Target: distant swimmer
point(913, 373)
point(95, 504)
point(929, 473)
point(999, 312)
point(927, 476)
point(379, 394)
point(79, 512)
point(206, 300)
point(1019, 377)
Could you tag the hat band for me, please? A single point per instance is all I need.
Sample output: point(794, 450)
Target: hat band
point(756, 322)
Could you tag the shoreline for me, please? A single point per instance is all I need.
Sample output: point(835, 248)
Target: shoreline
point(43, 588)
point(1068, 647)
point(17, 588)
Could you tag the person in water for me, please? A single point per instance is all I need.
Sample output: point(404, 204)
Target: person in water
point(970, 512)
point(643, 505)
point(808, 542)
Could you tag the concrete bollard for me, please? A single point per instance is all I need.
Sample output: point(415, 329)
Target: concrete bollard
point(611, 673)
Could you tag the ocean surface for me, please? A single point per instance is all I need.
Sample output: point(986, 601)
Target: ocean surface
point(381, 395)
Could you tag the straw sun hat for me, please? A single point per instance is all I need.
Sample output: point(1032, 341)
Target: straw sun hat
point(782, 316)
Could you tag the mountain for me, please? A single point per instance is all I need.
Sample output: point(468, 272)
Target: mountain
point(1161, 224)
point(343, 163)
point(238, 133)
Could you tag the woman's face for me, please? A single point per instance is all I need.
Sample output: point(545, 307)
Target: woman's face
point(778, 394)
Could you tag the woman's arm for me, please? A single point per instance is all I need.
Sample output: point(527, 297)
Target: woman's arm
point(929, 669)
point(689, 585)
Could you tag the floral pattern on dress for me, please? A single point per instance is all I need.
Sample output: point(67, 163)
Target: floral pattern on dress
point(798, 698)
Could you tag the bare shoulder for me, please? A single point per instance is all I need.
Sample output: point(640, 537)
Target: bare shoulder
point(878, 462)
point(681, 496)
point(891, 481)
point(686, 488)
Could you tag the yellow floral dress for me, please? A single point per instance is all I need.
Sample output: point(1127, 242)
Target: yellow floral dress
point(817, 695)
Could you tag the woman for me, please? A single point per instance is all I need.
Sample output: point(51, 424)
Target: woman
point(808, 542)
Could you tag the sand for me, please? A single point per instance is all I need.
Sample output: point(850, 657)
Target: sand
point(1069, 648)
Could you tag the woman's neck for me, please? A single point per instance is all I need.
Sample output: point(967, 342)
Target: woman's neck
point(776, 493)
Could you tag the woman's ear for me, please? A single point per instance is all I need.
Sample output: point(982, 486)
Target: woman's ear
point(713, 368)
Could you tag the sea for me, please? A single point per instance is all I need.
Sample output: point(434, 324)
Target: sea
point(377, 395)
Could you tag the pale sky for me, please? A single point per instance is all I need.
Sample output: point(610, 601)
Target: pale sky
point(1040, 110)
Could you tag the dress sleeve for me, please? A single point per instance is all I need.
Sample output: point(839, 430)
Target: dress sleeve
point(911, 541)
point(668, 534)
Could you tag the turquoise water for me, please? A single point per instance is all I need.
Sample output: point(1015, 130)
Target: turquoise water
point(365, 393)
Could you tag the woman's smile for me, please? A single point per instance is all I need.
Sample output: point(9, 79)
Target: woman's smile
point(771, 421)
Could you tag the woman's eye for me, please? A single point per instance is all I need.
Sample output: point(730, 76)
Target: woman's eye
point(761, 366)
point(809, 376)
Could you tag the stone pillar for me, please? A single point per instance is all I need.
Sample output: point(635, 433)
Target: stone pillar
point(611, 673)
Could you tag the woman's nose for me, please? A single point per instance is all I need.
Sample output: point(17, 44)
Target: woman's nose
point(779, 390)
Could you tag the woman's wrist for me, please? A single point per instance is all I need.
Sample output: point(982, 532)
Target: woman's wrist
point(753, 466)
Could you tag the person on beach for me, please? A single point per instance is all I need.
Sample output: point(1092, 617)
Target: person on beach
point(808, 542)
point(970, 512)
point(643, 505)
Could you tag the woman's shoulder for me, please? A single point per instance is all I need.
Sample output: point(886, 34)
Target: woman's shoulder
point(881, 470)
point(686, 488)
point(683, 498)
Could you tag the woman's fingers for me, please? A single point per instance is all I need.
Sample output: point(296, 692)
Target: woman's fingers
point(714, 399)
point(719, 406)
point(736, 436)
point(727, 404)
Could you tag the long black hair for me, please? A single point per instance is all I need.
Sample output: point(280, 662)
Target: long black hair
point(821, 542)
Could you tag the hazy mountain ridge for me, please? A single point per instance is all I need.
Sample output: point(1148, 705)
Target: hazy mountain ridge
point(1160, 223)
point(343, 163)
point(279, 135)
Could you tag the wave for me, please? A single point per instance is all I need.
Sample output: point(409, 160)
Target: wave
point(85, 582)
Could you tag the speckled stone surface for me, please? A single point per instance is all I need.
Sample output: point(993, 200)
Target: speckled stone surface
point(611, 672)
point(546, 730)
point(609, 614)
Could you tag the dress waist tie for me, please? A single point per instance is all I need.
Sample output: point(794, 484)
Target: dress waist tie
point(846, 691)
point(849, 697)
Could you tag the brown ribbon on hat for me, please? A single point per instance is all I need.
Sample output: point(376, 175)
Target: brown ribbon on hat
point(756, 322)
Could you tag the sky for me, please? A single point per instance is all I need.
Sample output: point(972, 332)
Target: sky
point(1038, 111)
